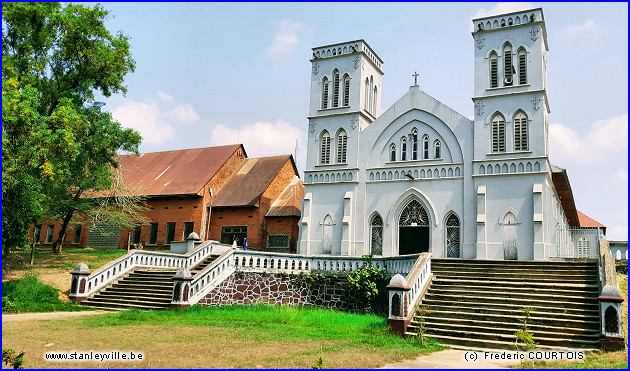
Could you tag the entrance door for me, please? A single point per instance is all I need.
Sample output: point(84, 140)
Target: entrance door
point(413, 229)
point(509, 237)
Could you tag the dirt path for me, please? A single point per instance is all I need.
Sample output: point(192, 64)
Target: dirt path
point(453, 358)
point(47, 316)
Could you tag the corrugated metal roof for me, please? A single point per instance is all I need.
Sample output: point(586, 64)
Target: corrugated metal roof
point(588, 222)
point(180, 172)
point(289, 203)
point(563, 189)
point(246, 185)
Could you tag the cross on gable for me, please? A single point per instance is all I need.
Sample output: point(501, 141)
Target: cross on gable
point(415, 78)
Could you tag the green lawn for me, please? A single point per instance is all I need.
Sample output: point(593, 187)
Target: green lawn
point(44, 259)
point(29, 294)
point(228, 337)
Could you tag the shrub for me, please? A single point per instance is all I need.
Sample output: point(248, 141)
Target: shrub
point(369, 282)
point(29, 294)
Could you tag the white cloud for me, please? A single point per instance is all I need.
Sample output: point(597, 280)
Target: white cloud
point(617, 232)
point(580, 29)
point(621, 175)
point(286, 40)
point(502, 8)
point(606, 137)
point(165, 97)
point(153, 119)
point(262, 138)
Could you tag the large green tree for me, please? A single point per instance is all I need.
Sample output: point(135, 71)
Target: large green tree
point(57, 142)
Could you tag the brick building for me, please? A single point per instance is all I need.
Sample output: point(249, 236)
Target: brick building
point(182, 188)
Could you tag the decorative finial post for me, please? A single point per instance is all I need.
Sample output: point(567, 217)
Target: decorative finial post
point(415, 79)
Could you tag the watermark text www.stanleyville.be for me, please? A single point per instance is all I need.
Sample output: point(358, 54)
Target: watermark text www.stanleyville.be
point(94, 356)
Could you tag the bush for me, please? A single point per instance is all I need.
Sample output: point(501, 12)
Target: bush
point(28, 294)
point(370, 282)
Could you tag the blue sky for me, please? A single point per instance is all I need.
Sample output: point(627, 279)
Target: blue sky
point(221, 73)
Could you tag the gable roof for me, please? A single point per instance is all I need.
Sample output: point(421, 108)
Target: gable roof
point(289, 202)
point(588, 222)
point(563, 189)
point(247, 184)
point(179, 172)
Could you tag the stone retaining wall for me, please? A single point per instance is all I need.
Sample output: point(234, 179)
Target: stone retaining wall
point(254, 288)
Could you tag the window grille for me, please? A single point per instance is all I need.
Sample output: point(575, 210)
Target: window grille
point(583, 247)
point(403, 150)
point(508, 68)
point(425, 147)
point(278, 241)
point(498, 134)
point(414, 145)
point(346, 90)
point(520, 132)
point(436, 146)
point(522, 67)
point(325, 148)
point(453, 237)
point(494, 73)
point(336, 89)
point(377, 235)
point(342, 144)
point(325, 93)
point(414, 214)
point(392, 150)
point(153, 233)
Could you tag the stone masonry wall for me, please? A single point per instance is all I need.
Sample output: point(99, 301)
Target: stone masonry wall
point(254, 288)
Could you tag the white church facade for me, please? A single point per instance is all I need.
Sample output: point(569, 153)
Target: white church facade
point(420, 177)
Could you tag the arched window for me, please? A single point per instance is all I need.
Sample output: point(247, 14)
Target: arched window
point(520, 132)
point(327, 230)
point(494, 70)
point(392, 152)
point(346, 90)
point(375, 99)
point(498, 134)
point(436, 149)
point(335, 88)
point(509, 237)
point(403, 149)
point(522, 66)
point(414, 144)
point(325, 92)
point(508, 68)
point(425, 147)
point(376, 245)
point(367, 94)
point(342, 145)
point(324, 156)
point(371, 110)
point(453, 237)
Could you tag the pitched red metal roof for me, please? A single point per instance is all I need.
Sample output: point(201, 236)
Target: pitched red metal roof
point(588, 222)
point(180, 172)
point(247, 184)
point(289, 203)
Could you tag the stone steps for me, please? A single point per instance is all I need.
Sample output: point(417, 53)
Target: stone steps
point(479, 303)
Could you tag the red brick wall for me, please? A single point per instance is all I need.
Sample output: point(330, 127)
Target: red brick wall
point(284, 225)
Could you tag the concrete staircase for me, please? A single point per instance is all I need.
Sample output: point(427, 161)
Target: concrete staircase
point(142, 288)
point(478, 303)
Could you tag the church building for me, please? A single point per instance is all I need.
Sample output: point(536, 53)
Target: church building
point(420, 177)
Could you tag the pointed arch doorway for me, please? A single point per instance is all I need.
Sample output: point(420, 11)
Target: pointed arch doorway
point(413, 229)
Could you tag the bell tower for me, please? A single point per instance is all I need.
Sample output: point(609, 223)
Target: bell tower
point(510, 93)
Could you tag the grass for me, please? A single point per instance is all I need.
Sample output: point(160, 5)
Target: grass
point(596, 359)
point(68, 259)
point(29, 294)
point(227, 337)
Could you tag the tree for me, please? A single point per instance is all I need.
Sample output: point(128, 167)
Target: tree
point(58, 143)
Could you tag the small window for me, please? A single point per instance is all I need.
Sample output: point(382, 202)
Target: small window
point(346, 90)
point(137, 232)
point(522, 66)
point(324, 157)
point(436, 147)
point(49, 233)
point(153, 233)
point(392, 151)
point(375, 98)
point(278, 241)
point(494, 73)
point(342, 145)
point(425, 147)
point(376, 245)
point(520, 132)
point(37, 232)
point(403, 149)
point(325, 93)
point(414, 144)
point(170, 233)
point(188, 228)
point(508, 70)
point(336, 88)
point(367, 95)
point(77, 234)
point(498, 134)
